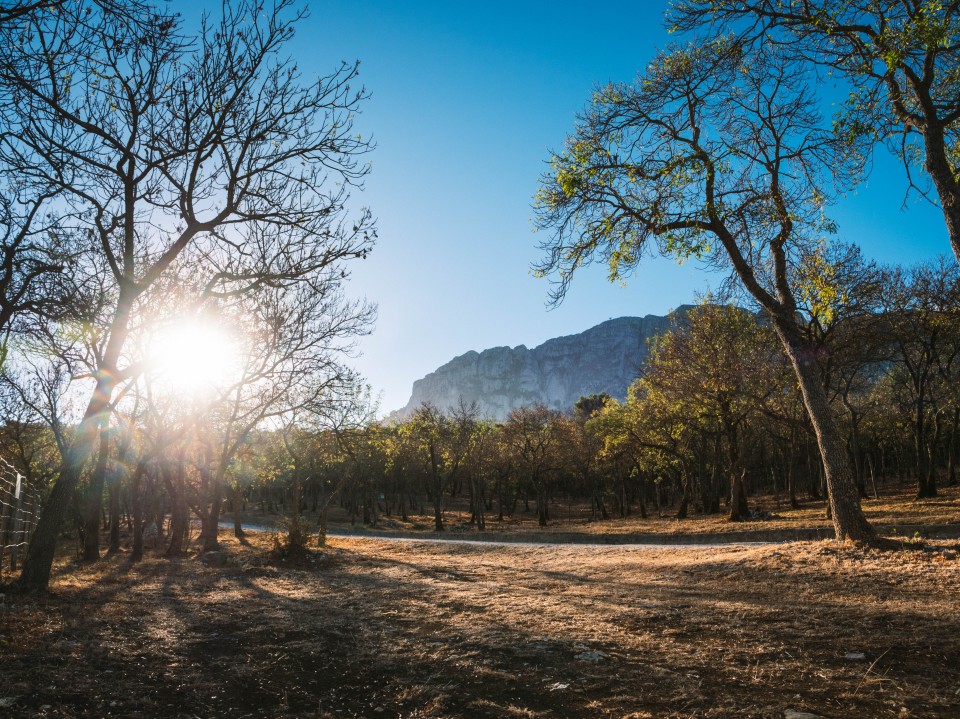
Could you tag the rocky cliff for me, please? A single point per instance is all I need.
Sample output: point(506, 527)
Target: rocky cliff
point(605, 358)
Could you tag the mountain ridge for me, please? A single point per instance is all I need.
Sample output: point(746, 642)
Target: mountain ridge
point(604, 358)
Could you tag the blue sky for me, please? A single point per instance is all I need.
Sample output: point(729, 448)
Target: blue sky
point(467, 99)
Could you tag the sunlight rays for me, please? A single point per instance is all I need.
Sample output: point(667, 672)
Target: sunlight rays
point(192, 357)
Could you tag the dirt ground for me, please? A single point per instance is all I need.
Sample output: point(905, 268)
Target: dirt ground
point(371, 628)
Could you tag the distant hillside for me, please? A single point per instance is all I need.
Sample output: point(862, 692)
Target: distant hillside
point(605, 358)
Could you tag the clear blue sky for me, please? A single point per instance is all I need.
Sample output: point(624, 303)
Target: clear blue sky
point(467, 100)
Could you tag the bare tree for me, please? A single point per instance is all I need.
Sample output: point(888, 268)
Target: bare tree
point(161, 145)
point(298, 338)
point(17, 10)
point(35, 252)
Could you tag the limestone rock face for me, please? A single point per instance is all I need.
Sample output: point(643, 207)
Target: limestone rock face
point(605, 358)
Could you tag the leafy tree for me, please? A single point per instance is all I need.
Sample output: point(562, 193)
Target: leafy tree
point(583, 448)
point(443, 443)
point(844, 321)
point(535, 438)
point(716, 372)
point(479, 466)
point(922, 310)
point(712, 154)
point(900, 58)
point(585, 407)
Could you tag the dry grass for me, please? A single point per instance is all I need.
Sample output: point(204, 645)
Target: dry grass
point(896, 512)
point(372, 628)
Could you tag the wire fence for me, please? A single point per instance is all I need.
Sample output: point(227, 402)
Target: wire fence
point(19, 507)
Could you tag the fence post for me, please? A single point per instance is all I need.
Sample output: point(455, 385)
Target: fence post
point(17, 524)
point(6, 507)
point(19, 504)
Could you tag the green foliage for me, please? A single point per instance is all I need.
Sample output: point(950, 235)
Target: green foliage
point(900, 60)
point(684, 163)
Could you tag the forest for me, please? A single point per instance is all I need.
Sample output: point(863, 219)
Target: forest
point(715, 418)
point(180, 214)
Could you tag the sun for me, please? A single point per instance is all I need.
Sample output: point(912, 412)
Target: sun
point(192, 357)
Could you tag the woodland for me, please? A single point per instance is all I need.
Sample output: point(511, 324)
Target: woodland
point(178, 223)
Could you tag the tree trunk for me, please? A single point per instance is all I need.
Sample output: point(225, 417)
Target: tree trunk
point(438, 507)
point(35, 576)
point(856, 455)
point(849, 521)
point(238, 510)
point(93, 505)
point(477, 499)
point(542, 515)
point(929, 484)
point(179, 509)
point(952, 449)
point(211, 522)
point(813, 474)
point(739, 510)
point(944, 179)
point(791, 470)
point(873, 478)
point(643, 496)
point(322, 524)
point(136, 553)
point(114, 494)
point(500, 502)
point(685, 497)
point(920, 447)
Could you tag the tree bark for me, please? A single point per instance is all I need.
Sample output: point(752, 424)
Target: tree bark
point(952, 449)
point(739, 509)
point(438, 478)
point(944, 179)
point(684, 497)
point(791, 470)
point(849, 522)
point(928, 483)
point(542, 513)
point(179, 510)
